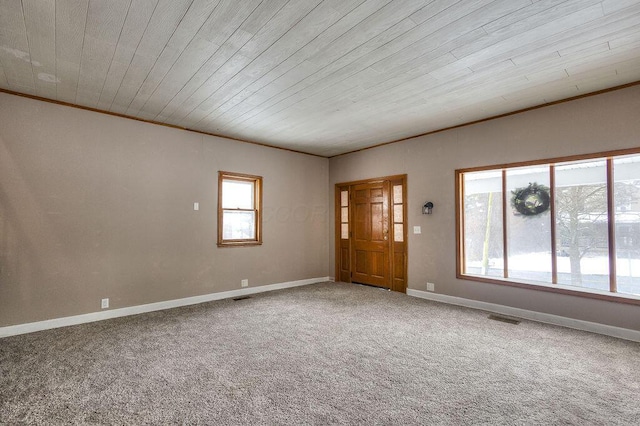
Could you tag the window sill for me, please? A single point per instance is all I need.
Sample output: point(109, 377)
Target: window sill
point(240, 244)
point(589, 293)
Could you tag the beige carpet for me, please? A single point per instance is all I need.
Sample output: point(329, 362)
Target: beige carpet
point(320, 354)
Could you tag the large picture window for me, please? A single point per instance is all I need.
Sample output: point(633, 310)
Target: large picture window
point(567, 225)
point(239, 209)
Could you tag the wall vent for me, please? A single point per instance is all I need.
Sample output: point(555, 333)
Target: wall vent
point(503, 318)
point(241, 298)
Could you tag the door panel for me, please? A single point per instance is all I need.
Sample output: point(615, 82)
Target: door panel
point(377, 222)
point(361, 219)
point(360, 263)
point(344, 259)
point(398, 265)
point(370, 261)
point(378, 269)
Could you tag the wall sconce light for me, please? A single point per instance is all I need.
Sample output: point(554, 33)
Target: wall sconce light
point(427, 208)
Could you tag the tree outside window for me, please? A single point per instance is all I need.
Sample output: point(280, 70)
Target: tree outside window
point(588, 237)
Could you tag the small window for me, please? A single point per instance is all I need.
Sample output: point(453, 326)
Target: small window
point(239, 208)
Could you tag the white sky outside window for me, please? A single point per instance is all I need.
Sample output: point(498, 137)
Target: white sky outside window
point(237, 194)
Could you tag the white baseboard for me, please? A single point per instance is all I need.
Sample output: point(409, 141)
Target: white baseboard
point(609, 330)
point(31, 327)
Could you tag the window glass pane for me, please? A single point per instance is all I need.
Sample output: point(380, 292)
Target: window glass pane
point(627, 203)
point(582, 241)
point(483, 243)
point(344, 231)
point(344, 198)
point(397, 194)
point(238, 225)
point(528, 229)
point(397, 213)
point(237, 194)
point(398, 232)
point(344, 214)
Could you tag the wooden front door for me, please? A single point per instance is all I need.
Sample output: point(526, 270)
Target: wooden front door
point(371, 235)
point(370, 253)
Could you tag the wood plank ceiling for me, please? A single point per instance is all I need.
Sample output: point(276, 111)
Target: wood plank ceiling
point(323, 77)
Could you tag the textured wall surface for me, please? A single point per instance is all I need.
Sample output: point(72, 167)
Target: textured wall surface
point(95, 206)
point(599, 123)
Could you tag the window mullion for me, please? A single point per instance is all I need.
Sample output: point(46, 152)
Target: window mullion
point(552, 210)
point(611, 213)
point(505, 247)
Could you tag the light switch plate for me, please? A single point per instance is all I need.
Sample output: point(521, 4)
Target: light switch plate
point(196, 206)
point(417, 230)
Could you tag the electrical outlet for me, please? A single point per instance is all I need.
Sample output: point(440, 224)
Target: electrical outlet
point(244, 283)
point(417, 230)
point(105, 303)
point(431, 287)
point(196, 206)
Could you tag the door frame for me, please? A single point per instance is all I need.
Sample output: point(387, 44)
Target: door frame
point(398, 272)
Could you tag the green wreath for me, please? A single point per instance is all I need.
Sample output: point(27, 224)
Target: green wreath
point(531, 200)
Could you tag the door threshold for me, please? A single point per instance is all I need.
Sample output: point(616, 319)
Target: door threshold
point(372, 286)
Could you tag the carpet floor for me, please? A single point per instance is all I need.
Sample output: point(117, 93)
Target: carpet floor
point(329, 353)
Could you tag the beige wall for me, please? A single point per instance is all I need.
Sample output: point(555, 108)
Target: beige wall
point(95, 206)
point(604, 122)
